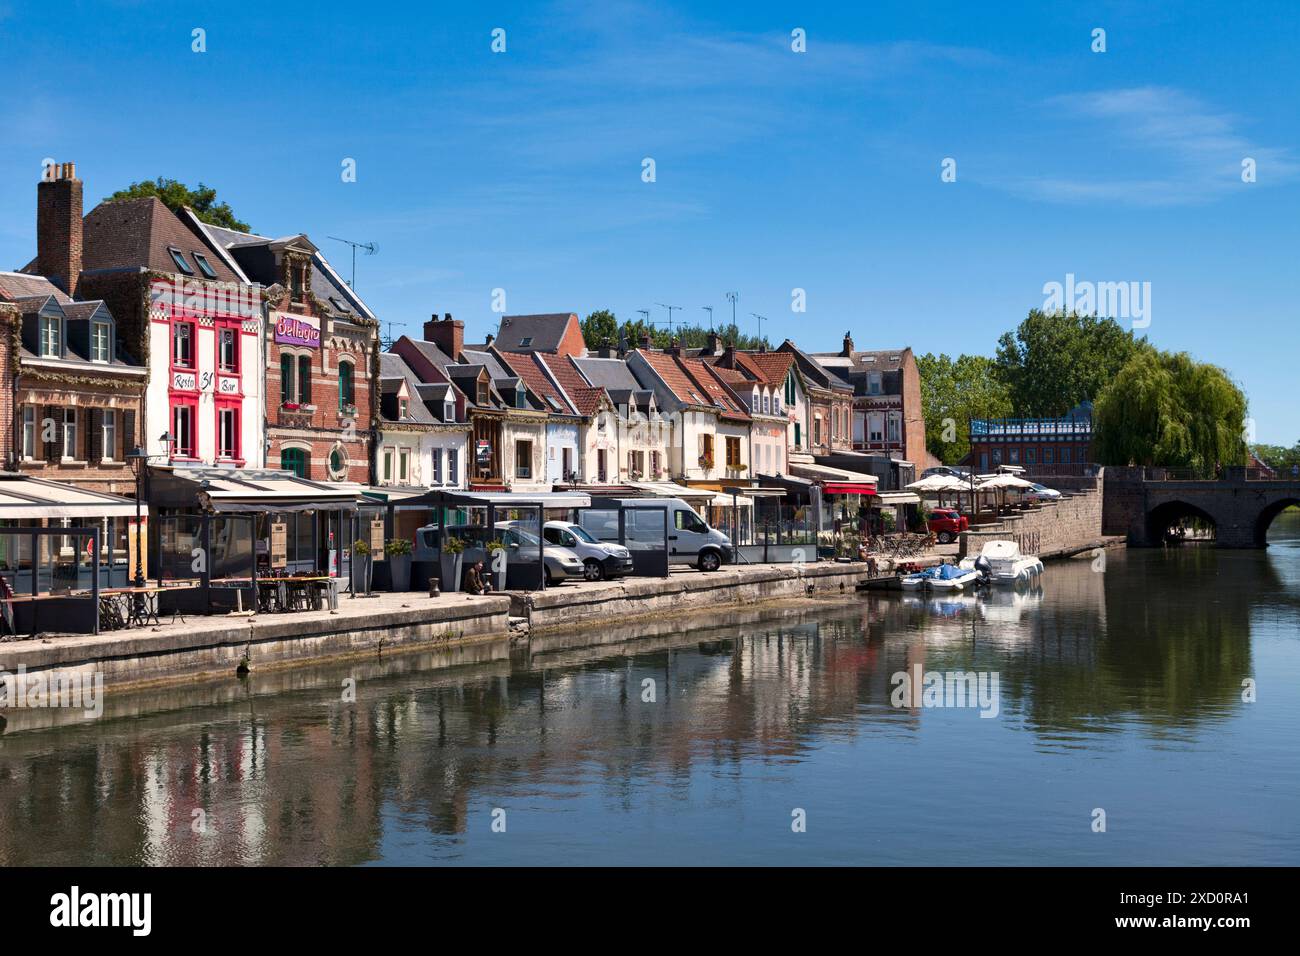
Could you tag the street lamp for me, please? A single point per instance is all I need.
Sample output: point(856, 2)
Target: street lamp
point(138, 460)
point(167, 441)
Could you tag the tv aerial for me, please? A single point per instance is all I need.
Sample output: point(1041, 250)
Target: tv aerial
point(369, 248)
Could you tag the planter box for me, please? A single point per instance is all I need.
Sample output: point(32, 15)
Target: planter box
point(399, 570)
point(451, 565)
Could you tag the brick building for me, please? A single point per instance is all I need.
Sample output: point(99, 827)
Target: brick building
point(1042, 446)
point(887, 414)
point(173, 306)
point(322, 354)
point(830, 403)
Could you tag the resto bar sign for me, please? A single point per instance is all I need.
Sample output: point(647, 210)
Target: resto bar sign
point(297, 330)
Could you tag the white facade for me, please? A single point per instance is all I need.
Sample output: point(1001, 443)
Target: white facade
point(562, 458)
point(523, 449)
point(422, 459)
point(206, 374)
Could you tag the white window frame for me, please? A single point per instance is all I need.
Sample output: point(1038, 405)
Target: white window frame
point(51, 337)
point(69, 433)
point(107, 433)
point(95, 329)
point(29, 433)
point(404, 466)
point(452, 477)
point(388, 466)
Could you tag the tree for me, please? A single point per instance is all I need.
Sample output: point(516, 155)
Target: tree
point(953, 391)
point(1054, 360)
point(1278, 457)
point(174, 195)
point(1168, 409)
point(600, 329)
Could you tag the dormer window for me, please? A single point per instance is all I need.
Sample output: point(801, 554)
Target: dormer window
point(449, 411)
point(101, 342)
point(482, 393)
point(403, 408)
point(51, 337)
point(521, 397)
point(178, 257)
point(204, 266)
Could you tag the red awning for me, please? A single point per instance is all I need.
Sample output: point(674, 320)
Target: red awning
point(848, 488)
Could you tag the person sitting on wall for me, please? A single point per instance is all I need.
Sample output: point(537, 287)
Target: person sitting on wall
point(476, 582)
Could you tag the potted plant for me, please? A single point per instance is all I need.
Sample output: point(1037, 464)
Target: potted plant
point(497, 564)
point(399, 563)
point(453, 557)
point(706, 462)
point(360, 566)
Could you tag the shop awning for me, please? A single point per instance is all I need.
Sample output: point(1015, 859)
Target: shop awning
point(848, 488)
point(670, 489)
point(888, 499)
point(25, 498)
point(835, 476)
point(501, 499)
point(247, 490)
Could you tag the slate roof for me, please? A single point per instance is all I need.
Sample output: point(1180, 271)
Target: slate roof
point(76, 339)
point(544, 331)
point(136, 233)
point(393, 372)
point(20, 285)
point(814, 370)
point(251, 257)
point(609, 373)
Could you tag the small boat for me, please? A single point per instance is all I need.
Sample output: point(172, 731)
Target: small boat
point(1005, 564)
point(944, 577)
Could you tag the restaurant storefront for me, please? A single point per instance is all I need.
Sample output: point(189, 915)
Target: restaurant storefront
point(222, 529)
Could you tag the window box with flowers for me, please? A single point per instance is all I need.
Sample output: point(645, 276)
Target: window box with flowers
point(706, 462)
point(348, 411)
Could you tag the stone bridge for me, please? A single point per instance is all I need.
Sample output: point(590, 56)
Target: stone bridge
point(1142, 503)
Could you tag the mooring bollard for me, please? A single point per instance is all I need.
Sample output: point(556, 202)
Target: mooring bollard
point(433, 589)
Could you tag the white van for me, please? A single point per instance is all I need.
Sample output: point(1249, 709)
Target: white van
point(690, 539)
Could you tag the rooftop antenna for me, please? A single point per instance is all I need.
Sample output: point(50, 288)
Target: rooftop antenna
point(732, 297)
point(709, 309)
point(761, 320)
point(369, 248)
point(670, 309)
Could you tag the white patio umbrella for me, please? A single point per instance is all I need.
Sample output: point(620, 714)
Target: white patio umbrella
point(1004, 482)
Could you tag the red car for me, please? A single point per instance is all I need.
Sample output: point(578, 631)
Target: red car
point(946, 523)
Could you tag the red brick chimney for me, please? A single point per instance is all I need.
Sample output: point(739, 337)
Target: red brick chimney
point(847, 350)
point(58, 226)
point(448, 334)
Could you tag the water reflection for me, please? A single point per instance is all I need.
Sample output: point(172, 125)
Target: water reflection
point(692, 742)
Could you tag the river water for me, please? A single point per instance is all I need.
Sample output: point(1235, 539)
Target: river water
point(771, 739)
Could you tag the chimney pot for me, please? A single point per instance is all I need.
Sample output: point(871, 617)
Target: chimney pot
point(59, 227)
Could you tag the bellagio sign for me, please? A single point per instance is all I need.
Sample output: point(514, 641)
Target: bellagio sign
point(297, 330)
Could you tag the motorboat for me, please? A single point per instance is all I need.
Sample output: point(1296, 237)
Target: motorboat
point(1005, 564)
point(943, 577)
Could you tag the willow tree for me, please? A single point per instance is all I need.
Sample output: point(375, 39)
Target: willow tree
point(1168, 409)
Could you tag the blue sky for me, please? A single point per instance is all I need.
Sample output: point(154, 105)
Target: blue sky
point(775, 170)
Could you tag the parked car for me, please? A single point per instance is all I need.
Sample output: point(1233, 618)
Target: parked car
point(960, 473)
point(600, 559)
point(690, 539)
point(560, 563)
point(1042, 493)
point(946, 523)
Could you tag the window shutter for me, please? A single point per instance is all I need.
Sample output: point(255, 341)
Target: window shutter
point(128, 433)
point(54, 447)
point(94, 436)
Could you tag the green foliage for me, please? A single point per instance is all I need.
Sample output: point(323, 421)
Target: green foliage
point(1278, 457)
point(953, 391)
point(397, 546)
point(174, 195)
point(361, 548)
point(453, 545)
point(1168, 409)
point(1053, 361)
point(602, 329)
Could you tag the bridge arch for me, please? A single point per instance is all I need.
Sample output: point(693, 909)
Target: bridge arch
point(1170, 514)
point(1266, 516)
